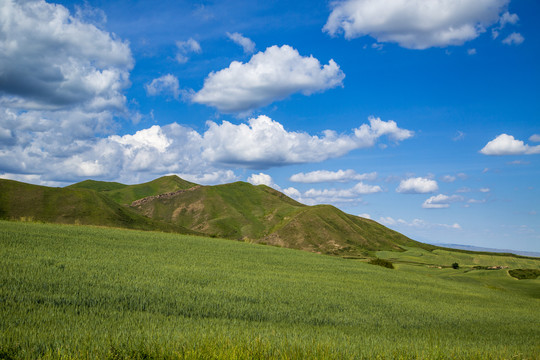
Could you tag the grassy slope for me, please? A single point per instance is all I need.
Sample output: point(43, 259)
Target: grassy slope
point(99, 186)
point(89, 292)
point(261, 214)
point(238, 210)
point(20, 201)
point(165, 184)
point(326, 229)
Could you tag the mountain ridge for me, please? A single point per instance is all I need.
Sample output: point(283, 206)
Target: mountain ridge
point(238, 211)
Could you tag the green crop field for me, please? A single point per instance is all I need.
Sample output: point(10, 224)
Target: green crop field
point(88, 292)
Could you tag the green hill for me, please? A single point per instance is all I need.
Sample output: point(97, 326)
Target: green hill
point(326, 229)
point(99, 186)
point(238, 211)
point(71, 205)
point(126, 194)
point(261, 214)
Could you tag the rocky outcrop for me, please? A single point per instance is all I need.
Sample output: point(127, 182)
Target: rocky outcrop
point(164, 196)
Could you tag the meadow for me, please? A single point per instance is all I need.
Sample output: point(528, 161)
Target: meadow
point(90, 292)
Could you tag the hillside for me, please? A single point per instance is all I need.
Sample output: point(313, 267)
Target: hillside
point(261, 214)
point(71, 205)
point(326, 229)
point(126, 194)
point(238, 211)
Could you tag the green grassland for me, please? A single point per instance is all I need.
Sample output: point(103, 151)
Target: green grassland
point(88, 292)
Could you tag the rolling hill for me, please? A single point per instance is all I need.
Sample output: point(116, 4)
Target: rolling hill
point(72, 205)
point(238, 211)
point(126, 194)
point(261, 214)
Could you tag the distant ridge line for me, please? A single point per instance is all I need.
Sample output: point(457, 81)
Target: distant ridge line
point(478, 248)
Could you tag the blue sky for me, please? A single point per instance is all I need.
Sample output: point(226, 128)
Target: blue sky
point(422, 115)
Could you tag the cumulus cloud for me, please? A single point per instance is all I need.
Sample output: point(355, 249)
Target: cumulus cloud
point(244, 42)
point(514, 39)
point(263, 179)
point(415, 24)
point(271, 75)
point(331, 176)
point(185, 48)
point(333, 196)
point(441, 201)
point(61, 83)
point(535, 138)
point(508, 18)
point(170, 149)
point(507, 145)
point(418, 185)
point(52, 60)
point(263, 142)
point(166, 84)
point(504, 19)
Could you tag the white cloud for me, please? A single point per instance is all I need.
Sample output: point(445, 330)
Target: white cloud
point(535, 138)
point(166, 84)
point(52, 60)
point(441, 201)
point(471, 51)
point(263, 179)
point(271, 75)
point(508, 18)
point(485, 190)
point(263, 142)
point(331, 176)
point(292, 193)
point(387, 220)
point(507, 145)
point(173, 148)
point(210, 178)
point(505, 19)
point(514, 39)
point(414, 24)
point(452, 178)
point(476, 201)
point(185, 48)
point(61, 84)
point(417, 185)
point(244, 42)
point(152, 138)
point(333, 196)
point(448, 178)
point(365, 216)
point(417, 223)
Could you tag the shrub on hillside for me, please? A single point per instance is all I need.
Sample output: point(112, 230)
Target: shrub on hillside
point(455, 265)
point(523, 274)
point(382, 262)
